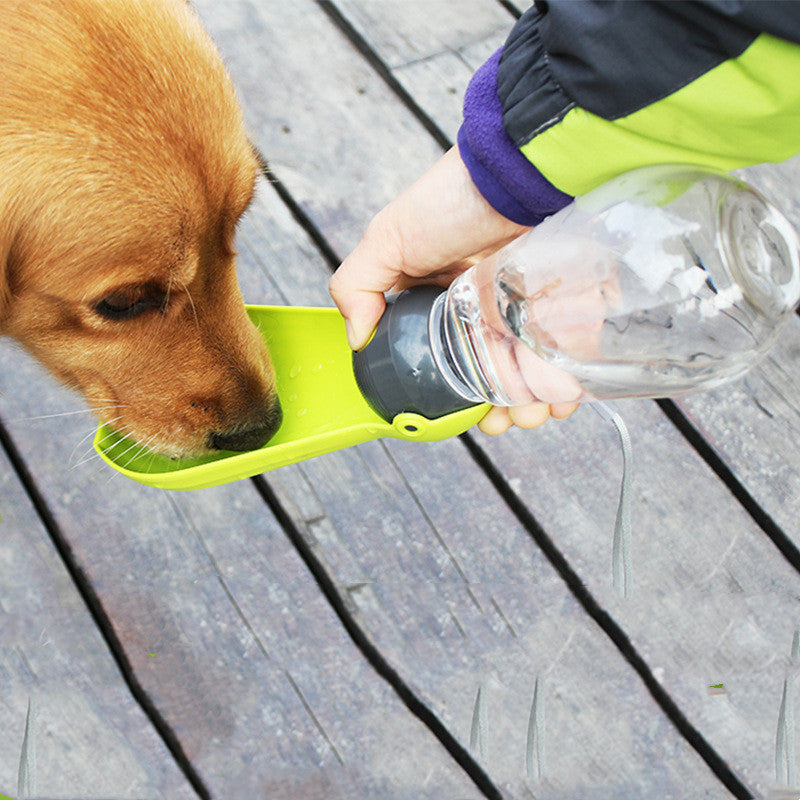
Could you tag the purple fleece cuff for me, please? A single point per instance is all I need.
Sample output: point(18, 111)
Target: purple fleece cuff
point(510, 183)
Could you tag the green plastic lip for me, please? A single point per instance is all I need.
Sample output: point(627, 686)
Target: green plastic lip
point(323, 409)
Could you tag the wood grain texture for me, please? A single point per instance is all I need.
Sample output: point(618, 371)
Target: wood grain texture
point(754, 424)
point(228, 633)
point(225, 629)
point(458, 598)
point(759, 448)
point(304, 88)
point(404, 578)
point(87, 735)
point(713, 600)
point(432, 48)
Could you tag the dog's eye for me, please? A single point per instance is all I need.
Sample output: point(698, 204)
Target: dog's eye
point(130, 302)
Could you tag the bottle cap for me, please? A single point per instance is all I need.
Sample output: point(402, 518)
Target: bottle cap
point(396, 371)
point(761, 250)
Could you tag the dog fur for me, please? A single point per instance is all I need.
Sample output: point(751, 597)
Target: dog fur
point(124, 167)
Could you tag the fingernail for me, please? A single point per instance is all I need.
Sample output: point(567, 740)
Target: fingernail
point(357, 340)
point(352, 338)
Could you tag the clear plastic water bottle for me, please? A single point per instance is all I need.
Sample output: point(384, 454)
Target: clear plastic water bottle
point(664, 280)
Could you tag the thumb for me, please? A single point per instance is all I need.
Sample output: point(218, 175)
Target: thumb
point(357, 288)
point(360, 308)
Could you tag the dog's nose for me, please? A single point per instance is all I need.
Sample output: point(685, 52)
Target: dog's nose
point(250, 437)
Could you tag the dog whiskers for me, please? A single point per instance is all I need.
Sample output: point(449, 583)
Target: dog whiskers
point(111, 422)
point(121, 430)
point(93, 456)
point(80, 442)
point(65, 414)
point(152, 459)
point(138, 450)
point(194, 309)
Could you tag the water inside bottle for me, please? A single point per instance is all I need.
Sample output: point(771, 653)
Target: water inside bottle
point(625, 298)
point(469, 350)
point(479, 353)
point(593, 350)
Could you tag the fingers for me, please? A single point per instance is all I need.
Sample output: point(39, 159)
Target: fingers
point(562, 410)
point(358, 284)
point(499, 419)
point(496, 421)
point(429, 233)
point(530, 416)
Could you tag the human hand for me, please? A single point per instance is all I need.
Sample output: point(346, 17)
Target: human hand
point(435, 230)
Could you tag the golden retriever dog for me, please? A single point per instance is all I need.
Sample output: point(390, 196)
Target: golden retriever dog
point(124, 167)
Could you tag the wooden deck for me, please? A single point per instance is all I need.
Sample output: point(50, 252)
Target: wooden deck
point(399, 621)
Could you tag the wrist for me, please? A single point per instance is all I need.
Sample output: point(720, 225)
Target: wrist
point(505, 177)
point(444, 219)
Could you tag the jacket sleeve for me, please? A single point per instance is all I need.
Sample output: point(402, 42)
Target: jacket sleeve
point(584, 90)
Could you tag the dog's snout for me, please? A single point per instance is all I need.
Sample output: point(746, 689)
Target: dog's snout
point(248, 437)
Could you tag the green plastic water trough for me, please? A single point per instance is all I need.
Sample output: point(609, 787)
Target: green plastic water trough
point(323, 409)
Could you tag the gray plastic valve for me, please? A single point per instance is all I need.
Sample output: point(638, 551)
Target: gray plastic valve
point(396, 372)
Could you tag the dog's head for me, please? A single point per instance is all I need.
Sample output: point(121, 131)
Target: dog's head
point(125, 167)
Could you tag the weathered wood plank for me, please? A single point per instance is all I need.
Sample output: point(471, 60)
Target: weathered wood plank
point(768, 463)
point(304, 87)
point(87, 736)
point(432, 48)
point(225, 628)
point(459, 599)
point(425, 30)
point(754, 424)
point(713, 601)
point(399, 552)
point(450, 587)
point(751, 749)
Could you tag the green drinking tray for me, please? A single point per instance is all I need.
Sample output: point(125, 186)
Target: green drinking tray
point(323, 409)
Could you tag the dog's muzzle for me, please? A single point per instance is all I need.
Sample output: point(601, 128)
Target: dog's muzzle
point(248, 437)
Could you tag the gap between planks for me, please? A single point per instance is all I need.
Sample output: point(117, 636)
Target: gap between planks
point(95, 608)
point(715, 762)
